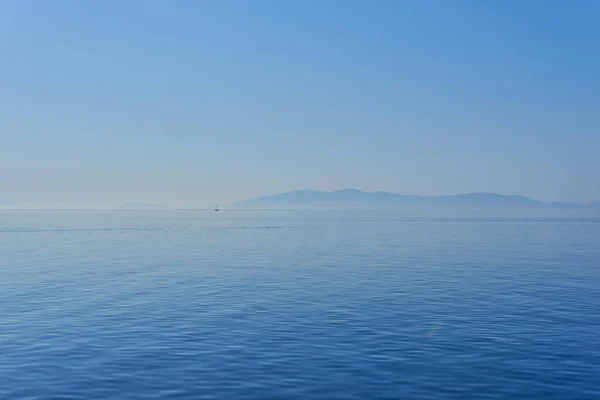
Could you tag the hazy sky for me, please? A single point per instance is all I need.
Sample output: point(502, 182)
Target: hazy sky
point(186, 103)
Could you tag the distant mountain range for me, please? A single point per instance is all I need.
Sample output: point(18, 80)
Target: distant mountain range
point(141, 205)
point(358, 198)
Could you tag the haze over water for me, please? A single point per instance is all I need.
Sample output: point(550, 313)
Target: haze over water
point(161, 108)
point(312, 304)
point(189, 103)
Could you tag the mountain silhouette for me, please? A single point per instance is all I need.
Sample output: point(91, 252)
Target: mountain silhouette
point(358, 198)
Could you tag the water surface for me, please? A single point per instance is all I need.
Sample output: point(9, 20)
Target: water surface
point(316, 304)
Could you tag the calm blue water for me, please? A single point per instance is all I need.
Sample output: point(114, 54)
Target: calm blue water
point(303, 304)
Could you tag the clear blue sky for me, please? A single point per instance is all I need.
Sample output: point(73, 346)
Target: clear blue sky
point(190, 102)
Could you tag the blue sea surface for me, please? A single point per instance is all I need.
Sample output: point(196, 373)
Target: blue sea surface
point(312, 304)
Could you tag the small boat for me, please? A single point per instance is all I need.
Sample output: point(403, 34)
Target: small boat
point(216, 208)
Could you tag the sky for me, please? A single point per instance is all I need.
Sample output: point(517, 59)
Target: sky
point(188, 103)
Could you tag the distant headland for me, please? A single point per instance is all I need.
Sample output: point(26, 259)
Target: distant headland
point(358, 198)
point(141, 205)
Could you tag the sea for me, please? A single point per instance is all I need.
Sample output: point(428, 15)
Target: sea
point(299, 304)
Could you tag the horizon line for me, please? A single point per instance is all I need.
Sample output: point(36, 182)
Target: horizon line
point(12, 205)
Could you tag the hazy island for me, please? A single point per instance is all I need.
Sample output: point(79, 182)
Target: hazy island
point(141, 205)
point(361, 199)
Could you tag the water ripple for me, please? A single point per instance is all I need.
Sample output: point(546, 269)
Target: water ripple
point(342, 307)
